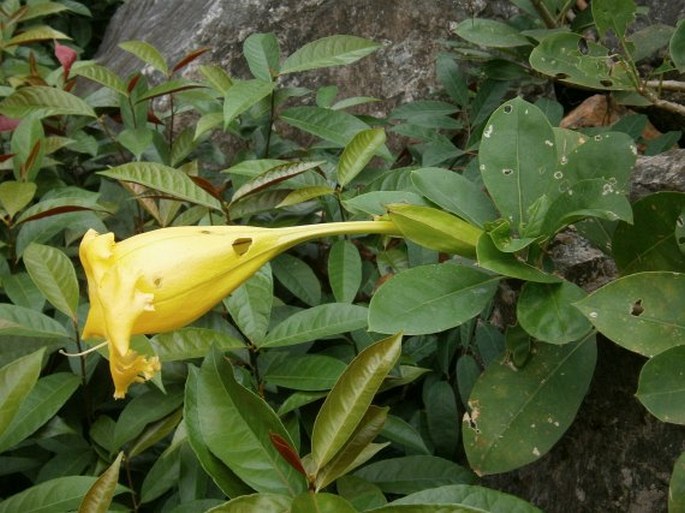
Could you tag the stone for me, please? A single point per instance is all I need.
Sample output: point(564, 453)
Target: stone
point(663, 172)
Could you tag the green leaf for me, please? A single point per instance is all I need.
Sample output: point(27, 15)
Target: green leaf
point(146, 53)
point(40, 405)
point(650, 243)
point(455, 193)
point(344, 271)
point(262, 54)
point(250, 305)
point(21, 290)
point(349, 400)
point(41, 10)
point(518, 159)
point(490, 33)
point(310, 502)
point(155, 432)
point(141, 411)
point(464, 498)
point(435, 229)
point(316, 323)
point(169, 87)
point(164, 474)
point(336, 50)
point(99, 496)
point(641, 312)
point(660, 388)
point(404, 434)
point(411, 474)
point(516, 415)
point(56, 206)
point(310, 372)
point(54, 274)
point(262, 502)
point(101, 75)
point(242, 95)
point(676, 46)
point(452, 79)
point(217, 77)
point(361, 494)
point(442, 417)
point(57, 495)
point(230, 484)
point(374, 203)
point(334, 126)
point(273, 176)
point(228, 412)
point(559, 55)
point(430, 299)
point(163, 179)
point(298, 278)
point(615, 15)
point(17, 379)
point(43, 101)
point(676, 492)
point(468, 371)
point(489, 257)
point(305, 194)
point(24, 322)
point(14, 196)
point(358, 153)
point(546, 312)
point(34, 34)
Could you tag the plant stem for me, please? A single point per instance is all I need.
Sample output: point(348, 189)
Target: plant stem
point(544, 13)
point(666, 85)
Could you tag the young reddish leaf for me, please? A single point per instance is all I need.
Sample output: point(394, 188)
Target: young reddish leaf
point(133, 82)
point(289, 454)
point(66, 57)
point(8, 124)
point(6, 156)
point(188, 58)
point(152, 118)
point(31, 159)
point(53, 212)
point(208, 186)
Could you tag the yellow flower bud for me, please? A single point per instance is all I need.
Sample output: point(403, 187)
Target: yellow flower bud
point(165, 279)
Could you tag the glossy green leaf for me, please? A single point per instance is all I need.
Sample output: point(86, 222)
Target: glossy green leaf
point(250, 305)
point(298, 399)
point(217, 77)
point(163, 475)
point(17, 379)
point(242, 95)
point(676, 491)
point(21, 291)
point(44, 101)
point(310, 502)
point(55, 495)
point(273, 176)
point(169, 87)
point(455, 193)
point(15, 196)
point(435, 229)
point(361, 494)
point(402, 433)
point(40, 405)
point(42, 9)
point(230, 484)
point(349, 400)
point(559, 55)
point(468, 371)
point(99, 496)
point(262, 54)
point(489, 257)
point(452, 78)
point(357, 450)
point(516, 415)
point(315, 323)
point(518, 159)
point(31, 35)
point(228, 412)
point(677, 46)
point(469, 498)
point(374, 203)
point(651, 243)
point(296, 276)
point(191, 342)
point(442, 417)
point(660, 388)
point(54, 274)
point(304, 194)
point(641, 312)
point(490, 33)
point(614, 15)
point(163, 179)
point(24, 322)
point(146, 53)
point(310, 372)
point(142, 410)
point(183, 145)
point(328, 51)
point(610, 156)
point(411, 474)
point(358, 153)
point(57, 206)
point(136, 140)
point(334, 126)
point(430, 299)
point(102, 75)
point(155, 432)
point(262, 503)
point(546, 312)
point(344, 271)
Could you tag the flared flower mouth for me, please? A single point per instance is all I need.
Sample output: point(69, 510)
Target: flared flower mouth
point(167, 278)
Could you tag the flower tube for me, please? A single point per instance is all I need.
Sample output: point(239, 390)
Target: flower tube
point(165, 279)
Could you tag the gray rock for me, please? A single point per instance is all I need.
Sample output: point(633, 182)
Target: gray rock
point(663, 172)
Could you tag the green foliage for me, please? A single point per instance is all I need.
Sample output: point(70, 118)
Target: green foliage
point(286, 396)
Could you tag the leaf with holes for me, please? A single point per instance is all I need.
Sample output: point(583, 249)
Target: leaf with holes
point(336, 50)
point(517, 415)
point(660, 388)
point(643, 312)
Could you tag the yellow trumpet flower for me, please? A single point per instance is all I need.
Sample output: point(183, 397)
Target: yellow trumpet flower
point(165, 279)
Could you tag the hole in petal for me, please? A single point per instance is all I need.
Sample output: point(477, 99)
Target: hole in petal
point(241, 245)
point(636, 309)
